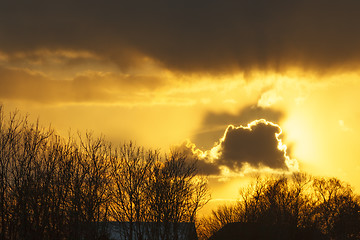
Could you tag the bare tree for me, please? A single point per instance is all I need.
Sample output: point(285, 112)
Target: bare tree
point(10, 134)
point(175, 193)
point(148, 189)
point(336, 210)
point(52, 188)
point(298, 202)
point(131, 169)
point(25, 174)
point(49, 187)
point(219, 217)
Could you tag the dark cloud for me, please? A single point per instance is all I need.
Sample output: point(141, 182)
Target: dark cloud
point(246, 114)
point(256, 145)
point(204, 165)
point(214, 123)
point(198, 36)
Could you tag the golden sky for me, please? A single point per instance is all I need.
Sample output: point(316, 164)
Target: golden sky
point(195, 74)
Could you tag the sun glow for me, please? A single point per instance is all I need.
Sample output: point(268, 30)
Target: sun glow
point(301, 139)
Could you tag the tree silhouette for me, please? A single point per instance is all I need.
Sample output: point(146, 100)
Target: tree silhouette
point(56, 188)
point(148, 189)
point(131, 167)
point(298, 202)
point(336, 210)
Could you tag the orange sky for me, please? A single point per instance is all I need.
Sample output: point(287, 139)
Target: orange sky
point(165, 74)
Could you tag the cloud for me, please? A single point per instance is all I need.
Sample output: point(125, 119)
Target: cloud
point(255, 146)
point(245, 115)
point(214, 123)
point(24, 84)
point(204, 164)
point(188, 36)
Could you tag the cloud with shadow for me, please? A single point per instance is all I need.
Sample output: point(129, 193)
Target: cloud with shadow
point(213, 125)
point(204, 164)
point(257, 145)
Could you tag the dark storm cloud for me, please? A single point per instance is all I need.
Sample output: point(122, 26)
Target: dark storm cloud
point(256, 144)
point(210, 36)
point(214, 123)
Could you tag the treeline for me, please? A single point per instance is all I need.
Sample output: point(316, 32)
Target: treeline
point(327, 206)
point(55, 188)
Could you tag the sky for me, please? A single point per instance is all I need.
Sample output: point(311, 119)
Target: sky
point(244, 87)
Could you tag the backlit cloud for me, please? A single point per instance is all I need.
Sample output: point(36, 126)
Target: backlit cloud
point(213, 125)
point(257, 145)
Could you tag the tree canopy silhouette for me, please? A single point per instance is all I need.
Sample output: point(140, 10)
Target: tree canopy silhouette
point(56, 188)
point(299, 201)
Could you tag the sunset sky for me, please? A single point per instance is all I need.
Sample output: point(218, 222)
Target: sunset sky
point(196, 75)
